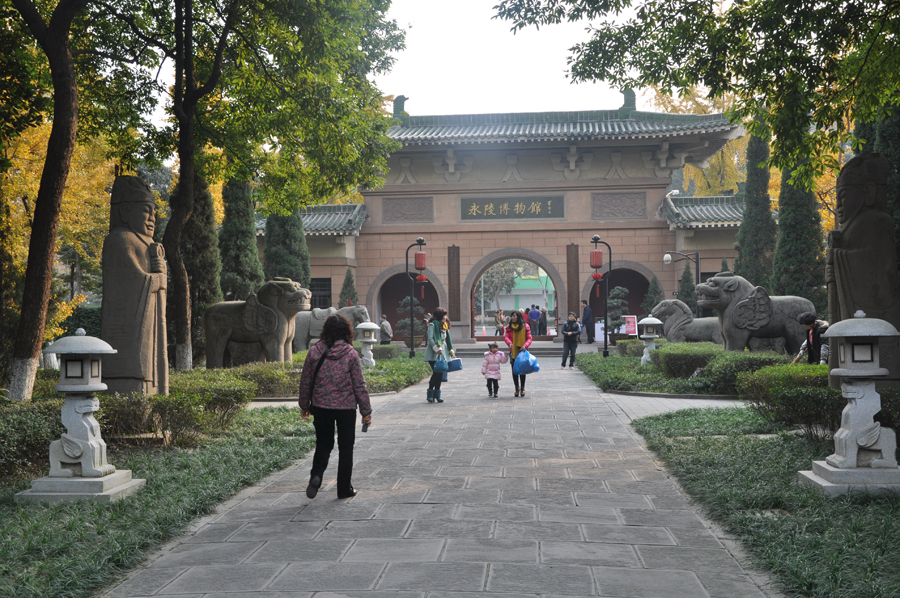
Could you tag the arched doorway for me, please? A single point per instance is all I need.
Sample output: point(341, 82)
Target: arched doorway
point(394, 290)
point(551, 282)
point(636, 283)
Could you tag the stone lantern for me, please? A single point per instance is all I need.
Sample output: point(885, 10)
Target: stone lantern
point(649, 329)
point(864, 458)
point(368, 331)
point(78, 465)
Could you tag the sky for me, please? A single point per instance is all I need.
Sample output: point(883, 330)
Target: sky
point(459, 60)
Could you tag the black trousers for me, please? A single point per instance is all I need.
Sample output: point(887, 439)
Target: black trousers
point(589, 330)
point(386, 342)
point(325, 421)
point(569, 351)
point(519, 381)
point(436, 378)
point(493, 385)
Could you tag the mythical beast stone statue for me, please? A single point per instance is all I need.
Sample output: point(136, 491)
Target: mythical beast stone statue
point(682, 327)
point(747, 312)
point(309, 323)
point(265, 321)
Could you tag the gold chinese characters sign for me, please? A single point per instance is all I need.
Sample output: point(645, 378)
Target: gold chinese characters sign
point(492, 208)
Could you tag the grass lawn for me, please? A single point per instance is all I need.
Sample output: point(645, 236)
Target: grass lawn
point(813, 545)
point(72, 550)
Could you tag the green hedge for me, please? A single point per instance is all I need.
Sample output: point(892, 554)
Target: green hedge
point(44, 383)
point(391, 375)
point(385, 352)
point(681, 360)
point(722, 372)
point(635, 347)
point(84, 316)
point(26, 431)
point(626, 373)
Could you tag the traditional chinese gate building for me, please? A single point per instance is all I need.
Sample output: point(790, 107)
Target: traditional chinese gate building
point(536, 186)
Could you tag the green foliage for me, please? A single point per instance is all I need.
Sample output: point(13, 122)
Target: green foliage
point(242, 274)
point(653, 297)
point(44, 382)
point(385, 351)
point(200, 254)
point(724, 266)
point(687, 290)
point(756, 235)
point(635, 347)
point(722, 372)
point(85, 316)
point(884, 138)
point(697, 421)
point(501, 278)
point(348, 296)
point(812, 544)
point(626, 373)
point(617, 306)
point(799, 265)
point(681, 360)
point(77, 549)
point(286, 253)
point(391, 375)
point(26, 431)
point(419, 321)
point(801, 73)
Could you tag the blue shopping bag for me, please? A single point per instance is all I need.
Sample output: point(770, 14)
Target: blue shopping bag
point(454, 365)
point(440, 365)
point(525, 363)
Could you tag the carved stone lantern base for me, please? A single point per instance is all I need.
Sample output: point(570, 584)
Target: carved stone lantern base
point(833, 481)
point(114, 486)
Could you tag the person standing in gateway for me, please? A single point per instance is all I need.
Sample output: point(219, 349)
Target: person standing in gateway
point(587, 320)
point(535, 319)
point(386, 331)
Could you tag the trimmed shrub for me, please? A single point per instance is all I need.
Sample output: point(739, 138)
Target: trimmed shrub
point(180, 419)
point(626, 373)
point(635, 347)
point(720, 375)
point(44, 383)
point(271, 379)
point(681, 360)
point(385, 352)
point(223, 392)
point(84, 316)
point(26, 431)
point(124, 415)
point(391, 375)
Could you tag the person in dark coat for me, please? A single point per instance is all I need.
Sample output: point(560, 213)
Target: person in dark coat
point(543, 330)
point(587, 319)
point(815, 347)
point(570, 332)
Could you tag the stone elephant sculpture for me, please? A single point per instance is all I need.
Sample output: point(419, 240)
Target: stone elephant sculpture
point(682, 327)
point(265, 321)
point(747, 312)
point(309, 323)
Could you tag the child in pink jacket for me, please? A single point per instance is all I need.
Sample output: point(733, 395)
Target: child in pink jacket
point(490, 368)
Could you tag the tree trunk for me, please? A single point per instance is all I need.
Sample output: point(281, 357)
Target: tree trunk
point(54, 41)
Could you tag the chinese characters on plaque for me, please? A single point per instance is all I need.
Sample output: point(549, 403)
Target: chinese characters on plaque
point(508, 208)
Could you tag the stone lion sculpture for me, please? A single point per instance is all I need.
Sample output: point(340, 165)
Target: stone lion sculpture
point(682, 327)
point(265, 321)
point(309, 323)
point(747, 312)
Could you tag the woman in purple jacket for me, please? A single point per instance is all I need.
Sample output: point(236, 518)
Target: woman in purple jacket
point(331, 386)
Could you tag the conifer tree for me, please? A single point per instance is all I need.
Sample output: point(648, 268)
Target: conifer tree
point(200, 252)
point(242, 274)
point(653, 297)
point(687, 289)
point(617, 306)
point(724, 266)
point(348, 290)
point(756, 236)
point(286, 253)
point(799, 267)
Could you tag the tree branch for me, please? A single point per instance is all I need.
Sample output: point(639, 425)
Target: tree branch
point(220, 51)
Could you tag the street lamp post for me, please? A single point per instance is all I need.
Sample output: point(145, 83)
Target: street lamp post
point(597, 263)
point(420, 265)
point(667, 259)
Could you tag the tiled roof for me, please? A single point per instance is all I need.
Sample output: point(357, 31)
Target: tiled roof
point(704, 212)
point(329, 219)
point(554, 126)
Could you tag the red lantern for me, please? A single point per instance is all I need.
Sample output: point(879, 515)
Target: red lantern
point(597, 276)
point(420, 260)
point(596, 258)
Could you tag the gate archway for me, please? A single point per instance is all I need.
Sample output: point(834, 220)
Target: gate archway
point(508, 253)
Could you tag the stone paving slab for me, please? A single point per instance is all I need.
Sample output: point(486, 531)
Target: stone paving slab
point(550, 495)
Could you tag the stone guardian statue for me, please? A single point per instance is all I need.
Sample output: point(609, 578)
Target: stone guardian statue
point(133, 313)
point(861, 259)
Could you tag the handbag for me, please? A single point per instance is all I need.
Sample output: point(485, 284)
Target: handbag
point(440, 365)
point(525, 364)
point(454, 365)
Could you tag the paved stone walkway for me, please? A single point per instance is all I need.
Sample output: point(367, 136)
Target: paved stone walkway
point(549, 495)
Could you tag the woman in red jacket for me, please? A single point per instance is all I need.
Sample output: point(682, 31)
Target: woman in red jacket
point(331, 387)
point(518, 337)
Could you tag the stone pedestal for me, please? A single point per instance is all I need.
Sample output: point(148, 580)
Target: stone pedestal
point(834, 481)
point(114, 486)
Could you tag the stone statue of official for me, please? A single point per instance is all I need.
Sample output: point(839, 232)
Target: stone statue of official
point(133, 314)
